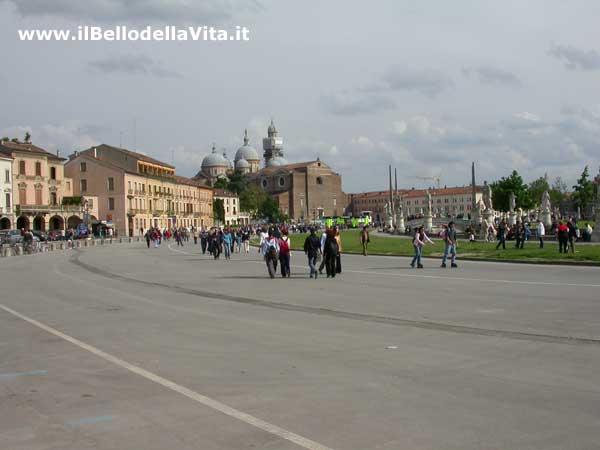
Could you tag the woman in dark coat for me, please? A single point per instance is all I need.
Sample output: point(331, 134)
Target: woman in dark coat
point(330, 253)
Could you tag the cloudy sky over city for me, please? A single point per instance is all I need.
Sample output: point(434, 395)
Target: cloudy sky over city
point(427, 86)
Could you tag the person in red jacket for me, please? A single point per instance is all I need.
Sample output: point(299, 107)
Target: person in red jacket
point(562, 234)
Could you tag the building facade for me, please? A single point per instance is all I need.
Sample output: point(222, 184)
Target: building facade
point(136, 192)
point(304, 191)
point(42, 195)
point(7, 216)
point(452, 202)
point(231, 205)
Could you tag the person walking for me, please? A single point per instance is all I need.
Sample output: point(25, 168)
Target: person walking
point(330, 253)
point(246, 240)
point(364, 239)
point(562, 234)
point(203, 240)
point(270, 250)
point(518, 234)
point(501, 235)
point(147, 236)
point(338, 258)
point(284, 254)
point(540, 231)
point(227, 240)
point(312, 249)
point(419, 242)
point(323, 238)
point(195, 234)
point(450, 249)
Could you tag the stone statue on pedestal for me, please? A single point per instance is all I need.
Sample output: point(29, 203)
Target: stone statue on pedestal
point(388, 215)
point(428, 213)
point(546, 215)
point(512, 202)
point(487, 196)
point(399, 215)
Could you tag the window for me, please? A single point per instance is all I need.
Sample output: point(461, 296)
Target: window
point(111, 204)
point(8, 200)
point(23, 195)
point(7, 176)
point(22, 168)
point(68, 186)
point(53, 173)
point(53, 199)
point(83, 167)
point(111, 184)
point(83, 185)
point(319, 180)
point(38, 169)
point(281, 181)
point(90, 203)
point(264, 183)
point(38, 196)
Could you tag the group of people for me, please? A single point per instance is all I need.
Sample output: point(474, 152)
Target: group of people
point(420, 239)
point(566, 232)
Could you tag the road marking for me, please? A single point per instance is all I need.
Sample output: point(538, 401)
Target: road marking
point(89, 420)
point(21, 374)
point(435, 277)
point(202, 399)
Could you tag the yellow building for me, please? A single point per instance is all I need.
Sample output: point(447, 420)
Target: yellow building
point(42, 196)
point(136, 192)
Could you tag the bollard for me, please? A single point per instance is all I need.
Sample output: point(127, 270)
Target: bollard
point(6, 251)
point(52, 246)
point(19, 249)
point(85, 243)
point(120, 240)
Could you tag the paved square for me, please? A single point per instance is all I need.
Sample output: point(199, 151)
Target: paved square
point(124, 347)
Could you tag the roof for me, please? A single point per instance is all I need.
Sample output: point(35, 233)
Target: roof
point(7, 147)
point(223, 193)
point(130, 153)
point(190, 182)
point(409, 193)
point(293, 166)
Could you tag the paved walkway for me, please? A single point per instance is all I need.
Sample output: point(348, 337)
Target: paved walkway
point(124, 347)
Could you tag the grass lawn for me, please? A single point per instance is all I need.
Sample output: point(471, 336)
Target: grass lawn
point(403, 247)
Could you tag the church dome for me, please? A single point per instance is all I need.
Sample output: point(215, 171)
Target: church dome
point(214, 160)
point(242, 164)
point(246, 151)
point(276, 162)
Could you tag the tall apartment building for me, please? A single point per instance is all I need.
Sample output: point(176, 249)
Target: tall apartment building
point(136, 192)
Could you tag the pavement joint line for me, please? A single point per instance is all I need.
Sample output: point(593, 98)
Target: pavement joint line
point(327, 312)
point(193, 395)
point(21, 374)
point(437, 277)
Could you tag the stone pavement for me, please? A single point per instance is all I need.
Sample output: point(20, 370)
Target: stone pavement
point(121, 347)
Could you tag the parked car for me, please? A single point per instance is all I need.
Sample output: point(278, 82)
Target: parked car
point(10, 236)
point(43, 237)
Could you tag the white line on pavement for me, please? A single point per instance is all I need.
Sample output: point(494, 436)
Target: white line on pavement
point(438, 277)
point(202, 399)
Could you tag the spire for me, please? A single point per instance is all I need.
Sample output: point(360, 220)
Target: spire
point(214, 148)
point(246, 140)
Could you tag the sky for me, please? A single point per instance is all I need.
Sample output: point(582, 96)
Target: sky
point(425, 86)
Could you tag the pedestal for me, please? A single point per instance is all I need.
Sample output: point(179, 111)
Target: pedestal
point(428, 223)
point(512, 218)
point(546, 218)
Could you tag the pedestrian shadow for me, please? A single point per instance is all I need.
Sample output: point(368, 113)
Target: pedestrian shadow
point(263, 277)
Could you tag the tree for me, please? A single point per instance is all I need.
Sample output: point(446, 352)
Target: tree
point(584, 191)
point(5, 139)
point(251, 198)
point(269, 210)
point(219, 210)
point(557, 191)
point(537, 188)
point(221, 183)
point(502, 188)
point(237, 183)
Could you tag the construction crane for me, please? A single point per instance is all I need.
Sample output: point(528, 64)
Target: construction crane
point(436, 179)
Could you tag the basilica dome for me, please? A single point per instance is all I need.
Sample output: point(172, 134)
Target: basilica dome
point(214, 160)
point(276, 162)
point(246, 151)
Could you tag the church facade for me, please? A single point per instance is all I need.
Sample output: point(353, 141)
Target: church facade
point(304, 191)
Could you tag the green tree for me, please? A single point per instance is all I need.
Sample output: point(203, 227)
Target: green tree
point(557, 191)
point(502, 188)
point(537, 188)
point(237, 183)
point(219, 210)
point(269, 210)
point(584, 191)
point(251, 199)
point(221, 183)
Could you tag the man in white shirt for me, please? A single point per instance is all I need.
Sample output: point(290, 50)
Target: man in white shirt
point(541, 231)
point(323, 237)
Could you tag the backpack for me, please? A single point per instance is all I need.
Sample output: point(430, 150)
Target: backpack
point(284, 247)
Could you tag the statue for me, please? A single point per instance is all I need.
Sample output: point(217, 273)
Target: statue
point(399, 215)
point(388, 215)
point(487, 196)
point(546, 201)
point(512, 202)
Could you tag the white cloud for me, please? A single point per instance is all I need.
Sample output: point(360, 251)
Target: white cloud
point(66, 137)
